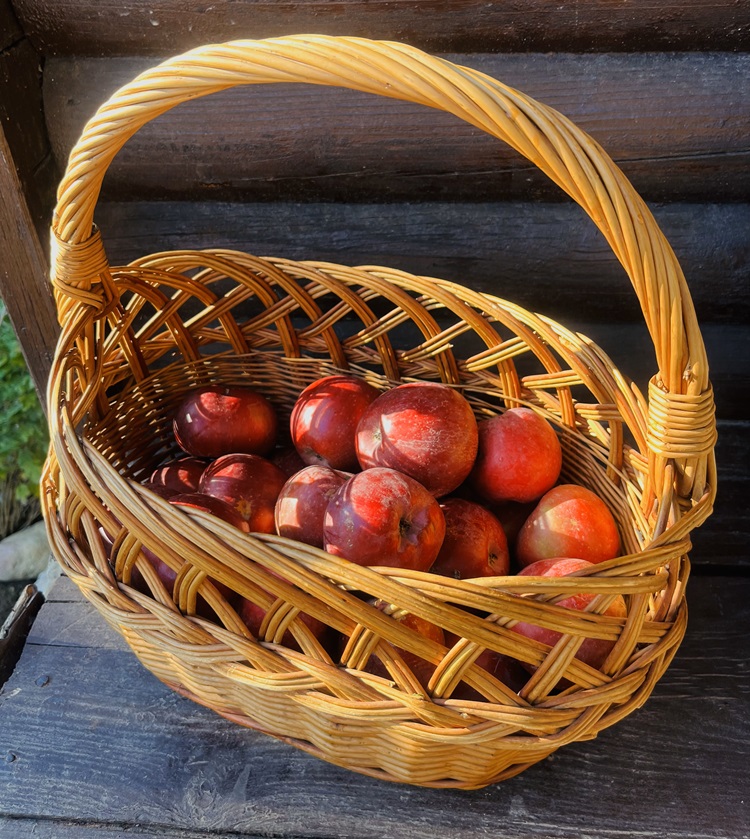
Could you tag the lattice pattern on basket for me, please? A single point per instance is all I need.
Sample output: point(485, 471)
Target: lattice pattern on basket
point(135, 338)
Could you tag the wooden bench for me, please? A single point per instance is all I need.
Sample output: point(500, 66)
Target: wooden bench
point(92, 745)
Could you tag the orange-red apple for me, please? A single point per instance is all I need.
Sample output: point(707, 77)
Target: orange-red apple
point(593, 651)
point(250, 484)
point(568, 521)
point(518, 459)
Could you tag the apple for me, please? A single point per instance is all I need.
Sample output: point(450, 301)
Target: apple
point(512, 516)
point(181, 475)
point(215, 420)
point(324, 420)
point(420, 667)
point(166, 574)
point(161, 490)
point(288, 460)
point(302, 503)
point(250, 484)
point(474, 543)
point(252, 615)
point(425, 430)
point(518, 459)
point(593, 651)
point(504, 668)
point(382, 517)
point(568, 521)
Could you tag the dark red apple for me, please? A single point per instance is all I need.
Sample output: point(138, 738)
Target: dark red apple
point(504, 668)
point(324, 420)
point(252, 614)
point(420, 667)
point(248, 483)
point(381, 517)
point(423, 429)
point(166, 574)
point(216, 420)
point(519, 457)
point(181, 475)
point(568, 521)
point(593, 651)
point(474, 543)
point(288, 460)
point(302, 503)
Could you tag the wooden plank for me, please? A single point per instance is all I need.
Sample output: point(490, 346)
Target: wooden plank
point(544, 256)
point(90, 739)
point(22, 117)
point(676, 124)
point(24, 283)
point(108, 27)
point(10, 31)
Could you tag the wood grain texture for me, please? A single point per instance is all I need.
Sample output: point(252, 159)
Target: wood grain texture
point(24, 282)
point(88, 26)
point(90, 739)
point(676, 123)
point(545, 256)
point(22, 118)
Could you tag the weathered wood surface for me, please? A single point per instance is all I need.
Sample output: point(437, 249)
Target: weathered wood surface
point(94, 746)
point(546, 256)
point(24, 275)
point(113, 26)
point(677, 124)
point(22, 120)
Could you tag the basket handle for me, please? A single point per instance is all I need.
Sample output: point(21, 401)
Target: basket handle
point(680, 391)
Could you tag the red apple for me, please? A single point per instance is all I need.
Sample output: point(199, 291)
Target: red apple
point(504, 668)
point(512, 516)
point(252, 614)
point(181, 475)
point(593, 651)
point(568, 521)
point(420, 667)
point(302, 503)
point(518, 459)
point(250, 484)
point(161, 490)
point(324, 420)
point(474, 543)
point(423, 429)
point(216, 420)
point(288, 460)
point(166, 574)
point(381, 517)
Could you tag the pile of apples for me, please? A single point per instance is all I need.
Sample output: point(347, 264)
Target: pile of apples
point(405, 478)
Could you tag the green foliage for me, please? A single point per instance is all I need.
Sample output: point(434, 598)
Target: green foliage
point(23, 434)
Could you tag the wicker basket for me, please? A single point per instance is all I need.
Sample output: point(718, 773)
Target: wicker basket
point(135, 338)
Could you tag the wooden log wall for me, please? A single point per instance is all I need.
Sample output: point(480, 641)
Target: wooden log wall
point(314, 173)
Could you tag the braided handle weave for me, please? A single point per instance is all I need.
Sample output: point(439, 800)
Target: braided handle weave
point(683, 426)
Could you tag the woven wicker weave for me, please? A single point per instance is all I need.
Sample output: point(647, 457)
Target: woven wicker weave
point(135, 338)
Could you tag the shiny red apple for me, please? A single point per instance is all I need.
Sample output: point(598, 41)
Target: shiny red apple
point(382, 517)
point(568, 521)
point(518, 459)
point(324, 420)
point(425, 430)
point(215, 420)
point(301, 505)
point(248, 483)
